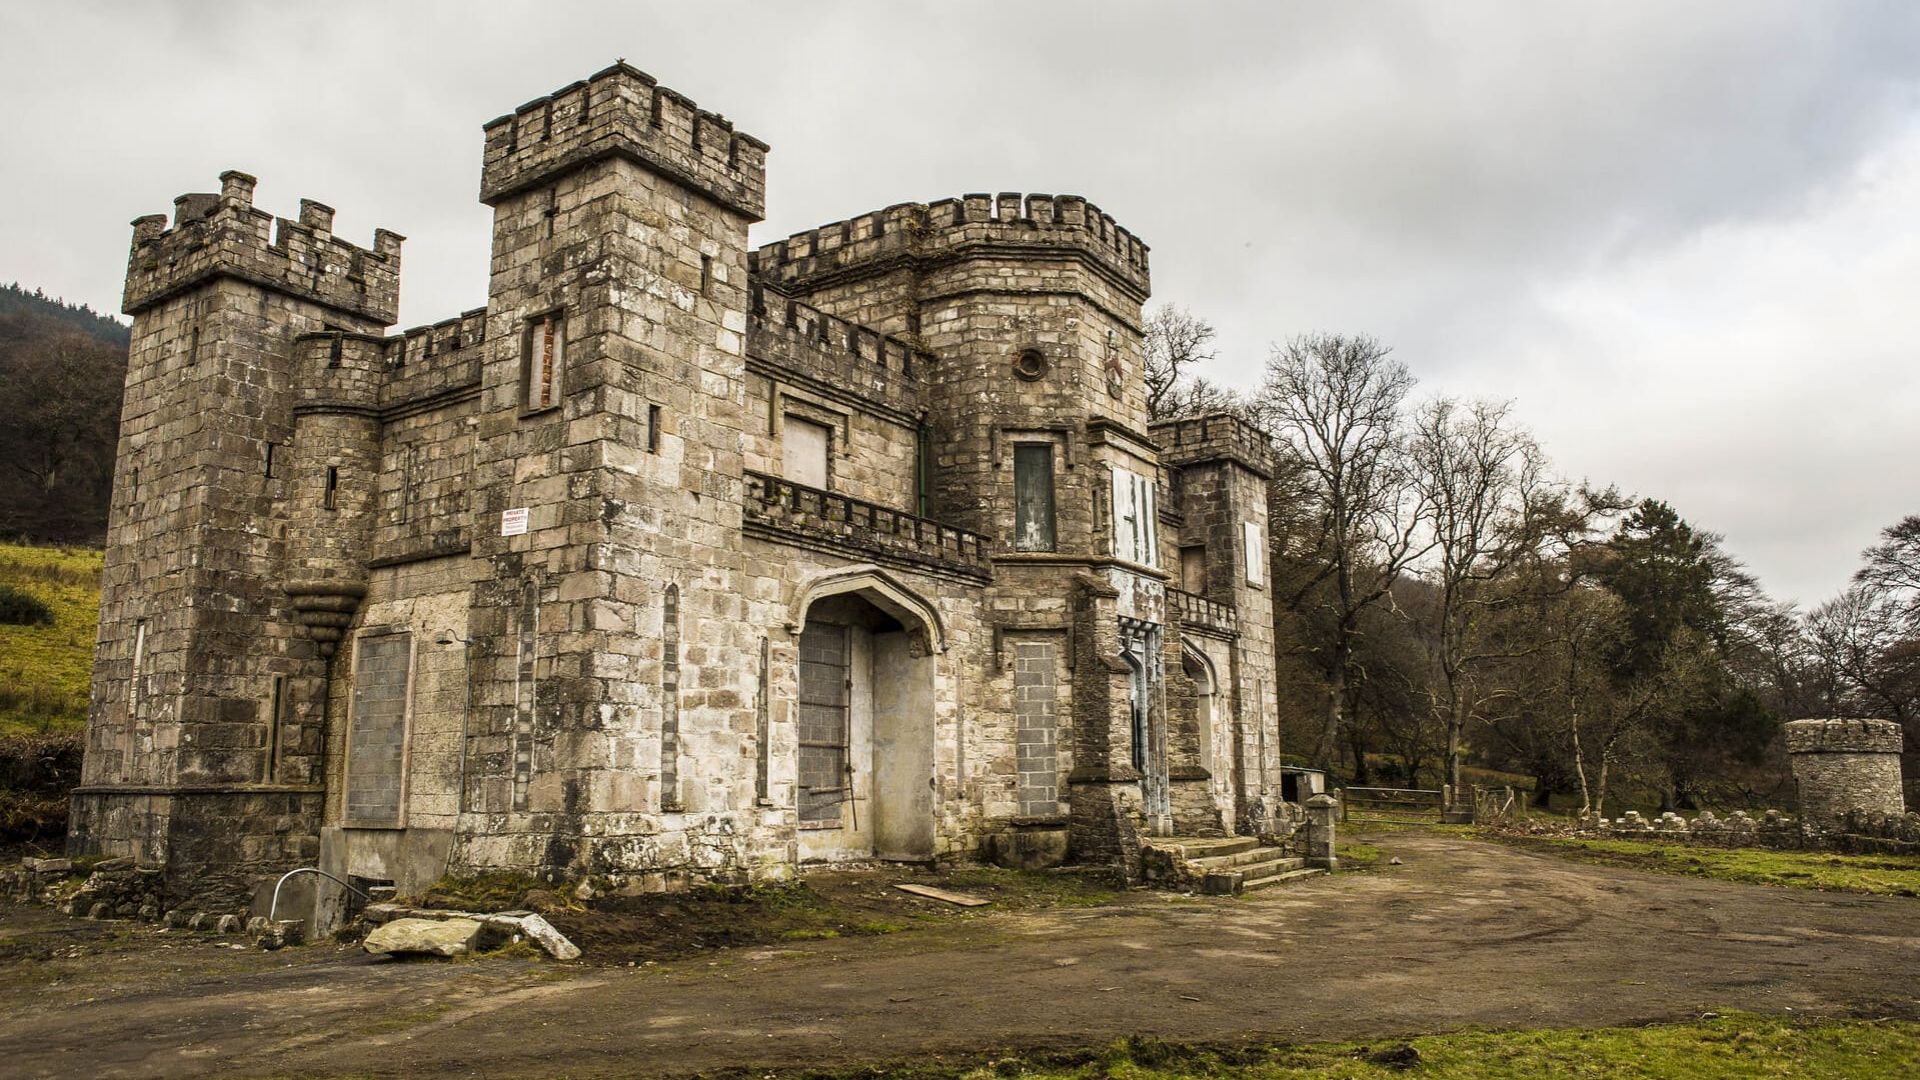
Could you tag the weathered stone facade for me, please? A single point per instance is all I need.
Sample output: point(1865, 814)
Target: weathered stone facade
point(678, 558)
point(1843, 767)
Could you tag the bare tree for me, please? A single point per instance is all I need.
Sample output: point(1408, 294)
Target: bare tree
point(1479, 474)
point(1893, 565)
point(1176, 340)
point(1334, 403)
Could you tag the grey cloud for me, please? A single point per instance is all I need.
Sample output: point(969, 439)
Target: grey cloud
point(1425, 171)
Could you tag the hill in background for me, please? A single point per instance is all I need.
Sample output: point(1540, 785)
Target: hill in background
point(62, 372)
point(16, 300)
point(45, 671)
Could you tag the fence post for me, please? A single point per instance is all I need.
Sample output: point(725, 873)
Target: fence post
point(1320, 831)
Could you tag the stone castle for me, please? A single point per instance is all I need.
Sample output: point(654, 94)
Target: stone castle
point(679, 558)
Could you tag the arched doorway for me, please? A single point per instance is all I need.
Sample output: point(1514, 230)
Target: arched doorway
point(865, 716)
point(1214, 756)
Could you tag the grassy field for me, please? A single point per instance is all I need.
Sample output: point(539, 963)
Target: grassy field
point(45, 670)
point(1724, 1047)
point(1887, 875)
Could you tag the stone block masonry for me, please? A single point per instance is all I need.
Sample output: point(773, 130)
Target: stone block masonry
point(524, 589)
point(1845, 766)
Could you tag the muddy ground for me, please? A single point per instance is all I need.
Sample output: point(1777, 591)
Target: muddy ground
point(1465, 933)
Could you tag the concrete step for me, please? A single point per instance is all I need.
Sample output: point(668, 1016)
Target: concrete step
point(1281, 878)
point(1243, 857)
point(1202, 848)
point(1267, 868)
point(1270, 863)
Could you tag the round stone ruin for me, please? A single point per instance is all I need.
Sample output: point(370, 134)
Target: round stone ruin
point(1844, 766)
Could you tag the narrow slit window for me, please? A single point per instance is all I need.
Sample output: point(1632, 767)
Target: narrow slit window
point(706, 273)
point(276, 706)
point(267, 461)
point(653, 429)
point(330, 494)
point(139, 669)
point(922, 470)
point(1033, 497)
point(544, 349)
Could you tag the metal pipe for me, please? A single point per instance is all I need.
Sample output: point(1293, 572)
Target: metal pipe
point(274, 908)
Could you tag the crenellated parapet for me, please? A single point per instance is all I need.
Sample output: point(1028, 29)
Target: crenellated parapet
point(1214, 437)
point(219, 235)
point(623, 112)
point(841, 355)
point(1010, 223)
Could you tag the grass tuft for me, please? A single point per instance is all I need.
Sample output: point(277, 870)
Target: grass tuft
point(46, 669)
point(1884, 875)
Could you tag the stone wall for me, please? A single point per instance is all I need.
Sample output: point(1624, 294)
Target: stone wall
point(616, 568)
point(1843, 766)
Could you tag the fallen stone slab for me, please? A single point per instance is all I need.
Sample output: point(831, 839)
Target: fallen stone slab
point(551, 941)
point(944, 895)
point(496, 928)
point(432, 937)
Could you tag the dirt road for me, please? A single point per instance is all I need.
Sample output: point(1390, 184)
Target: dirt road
point(1464, 933)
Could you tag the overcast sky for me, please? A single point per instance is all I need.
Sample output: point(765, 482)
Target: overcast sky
point(1681, 235)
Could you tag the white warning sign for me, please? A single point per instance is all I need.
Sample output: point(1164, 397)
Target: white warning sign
point(513, 522)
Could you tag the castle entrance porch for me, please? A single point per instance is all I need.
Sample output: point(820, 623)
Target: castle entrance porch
point(864, 691)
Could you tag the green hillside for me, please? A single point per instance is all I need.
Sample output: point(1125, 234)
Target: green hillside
point(45, 670)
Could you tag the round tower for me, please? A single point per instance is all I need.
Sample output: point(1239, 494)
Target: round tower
point(335, 460)
point(1845, 766)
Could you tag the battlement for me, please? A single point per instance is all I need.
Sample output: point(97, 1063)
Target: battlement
point(1214, 437)
point(851, 341)
point(1843, 736)
point(345, 371)
point(804, 341)
point(623, 112)
point(950, 227)
point(223, 235)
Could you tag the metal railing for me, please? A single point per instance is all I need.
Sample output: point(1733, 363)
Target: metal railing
point(1407, 806)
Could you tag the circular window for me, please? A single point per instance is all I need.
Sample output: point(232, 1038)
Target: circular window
point(1030, 364)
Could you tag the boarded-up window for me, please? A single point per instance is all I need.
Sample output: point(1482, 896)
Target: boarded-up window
point(825, 698)
point(1033, 497)
point(1256, 552)
point(1135, 519)
point(803, 451)
point(1193, 568)
point(377, 733)
point(544, 355)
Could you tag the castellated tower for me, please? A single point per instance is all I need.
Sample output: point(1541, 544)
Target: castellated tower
point(610, 636)
point(204, 739)
point(1036, 416)
point(671, 561)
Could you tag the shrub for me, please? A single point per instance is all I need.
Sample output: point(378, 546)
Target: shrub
point(21, 608)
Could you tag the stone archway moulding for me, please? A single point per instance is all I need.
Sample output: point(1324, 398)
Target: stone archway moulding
point(1189, 651)
point(880, 590)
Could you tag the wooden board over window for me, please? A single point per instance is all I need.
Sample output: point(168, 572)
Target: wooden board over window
point(803, 451)
point(1135, 518)
point(1033, 497)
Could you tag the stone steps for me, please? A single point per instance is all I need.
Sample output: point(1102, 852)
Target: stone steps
point(1268, 866)
point(1282, 877)
point(1227, 865)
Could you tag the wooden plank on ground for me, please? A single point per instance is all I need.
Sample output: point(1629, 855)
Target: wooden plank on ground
point(942, 894)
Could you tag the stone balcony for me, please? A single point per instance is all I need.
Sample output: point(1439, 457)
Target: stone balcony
point(826, 521)
point(1196, 612)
